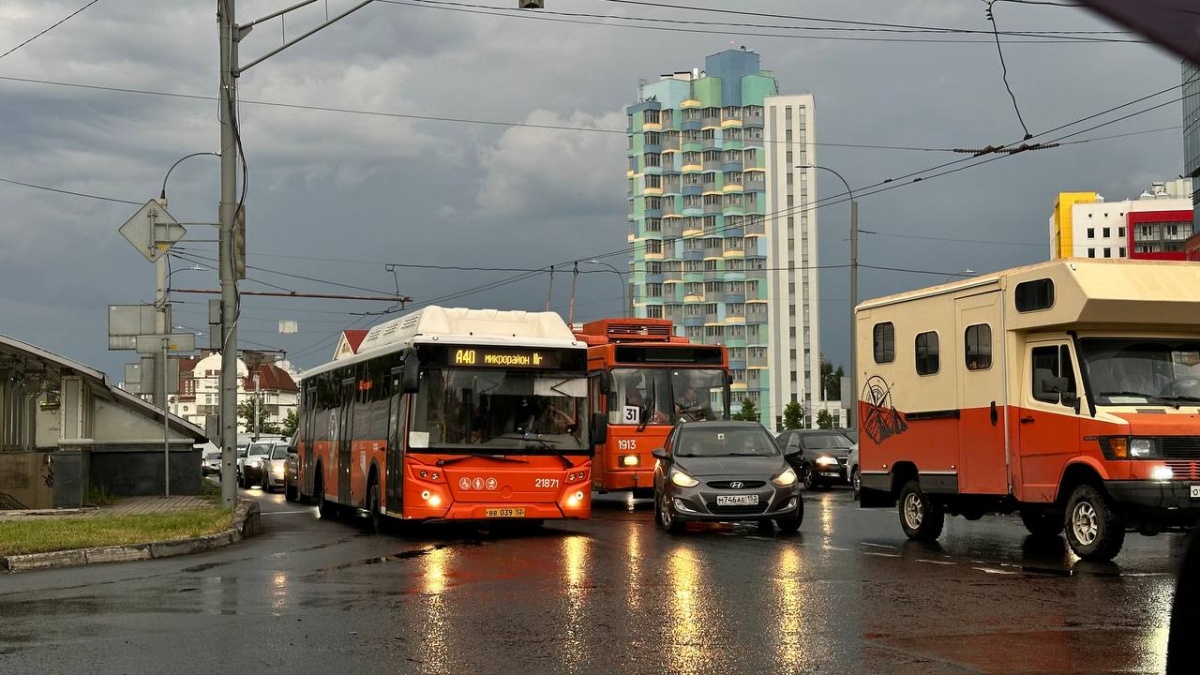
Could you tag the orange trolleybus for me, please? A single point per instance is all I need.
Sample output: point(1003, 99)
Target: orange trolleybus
point(451, 414)
point(644, 380)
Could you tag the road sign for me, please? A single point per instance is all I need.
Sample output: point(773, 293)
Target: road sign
point(126, 322)
point(175, 342)
point(152, 230)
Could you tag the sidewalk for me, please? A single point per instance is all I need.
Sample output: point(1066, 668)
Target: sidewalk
point(246, 523)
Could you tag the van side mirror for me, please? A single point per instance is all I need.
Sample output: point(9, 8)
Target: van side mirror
point(410, 379)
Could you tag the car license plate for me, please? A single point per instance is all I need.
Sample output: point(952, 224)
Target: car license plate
point(1195, 491)
point(504, 513)
point(737, 500)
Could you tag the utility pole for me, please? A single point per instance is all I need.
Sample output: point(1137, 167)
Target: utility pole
point(257, 399)
point(571, 309)
point(229, 34)
point(227, 405)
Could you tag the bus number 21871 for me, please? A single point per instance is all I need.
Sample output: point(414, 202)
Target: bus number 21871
point(545, 482)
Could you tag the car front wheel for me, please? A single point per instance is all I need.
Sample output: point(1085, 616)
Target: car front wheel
point(667, 515)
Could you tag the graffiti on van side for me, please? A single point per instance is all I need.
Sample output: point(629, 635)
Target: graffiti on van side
point(881, 420)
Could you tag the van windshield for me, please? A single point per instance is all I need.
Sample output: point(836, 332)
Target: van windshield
point(1139, 371)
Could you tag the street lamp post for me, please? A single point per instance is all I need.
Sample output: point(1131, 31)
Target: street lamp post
point(853, 412)
point(624, 286)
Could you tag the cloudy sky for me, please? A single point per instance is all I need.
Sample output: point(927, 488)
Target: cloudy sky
point(467, 134)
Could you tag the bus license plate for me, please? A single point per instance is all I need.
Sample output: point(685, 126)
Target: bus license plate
point(504, 513)
point(737, 500)
point(1195, 491)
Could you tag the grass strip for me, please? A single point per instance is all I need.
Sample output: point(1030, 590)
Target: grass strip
point(41, 535)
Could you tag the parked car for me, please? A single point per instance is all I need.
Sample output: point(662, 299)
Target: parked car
point(210, 458)
point(819, 456)
point(273, 467)
point(724, 471)
point(291, 474)
point(252, 470)
point(852, 469)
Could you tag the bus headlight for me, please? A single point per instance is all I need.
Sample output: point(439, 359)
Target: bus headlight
point(575, 499)
point(431, 498)
point(630, 460)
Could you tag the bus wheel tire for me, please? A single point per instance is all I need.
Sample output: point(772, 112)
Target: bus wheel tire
point(374, 517)
point(921, 519)
point(1042, 522)
point(1095, 531)
point(289, 493)
point(324, 507)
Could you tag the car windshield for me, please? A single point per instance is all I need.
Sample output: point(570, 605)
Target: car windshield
point(279, 452)
point(212, 454)
point(1136, 371)
point(826, 442)
point(725, 442)
point(258, 449)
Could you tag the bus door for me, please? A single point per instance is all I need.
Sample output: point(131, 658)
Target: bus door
point(308, 433)
point(397, 435)
point(345, 438)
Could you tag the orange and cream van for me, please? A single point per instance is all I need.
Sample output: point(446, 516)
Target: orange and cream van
point(1067, 392)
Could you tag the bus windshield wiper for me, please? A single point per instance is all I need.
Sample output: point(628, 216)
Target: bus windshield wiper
point(543, 443)
point(480, 455)
point(1149, 397)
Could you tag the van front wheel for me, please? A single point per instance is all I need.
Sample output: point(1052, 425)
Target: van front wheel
point(1095, 531)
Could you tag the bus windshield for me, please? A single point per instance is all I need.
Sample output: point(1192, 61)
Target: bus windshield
point(499, 411)
point(666, 395)
point(1134, 371)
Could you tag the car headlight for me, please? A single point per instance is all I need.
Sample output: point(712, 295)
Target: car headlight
point(826, 460)
point(788, 477)
point(682, 479)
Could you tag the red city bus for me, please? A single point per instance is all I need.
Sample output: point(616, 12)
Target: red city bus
point(644, 380)
point(451, 414)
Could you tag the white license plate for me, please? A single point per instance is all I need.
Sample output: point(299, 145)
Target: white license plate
point(1195, 489)
point(737, 500)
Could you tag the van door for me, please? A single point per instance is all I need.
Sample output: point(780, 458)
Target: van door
point(983, 465)
point(1048, 420)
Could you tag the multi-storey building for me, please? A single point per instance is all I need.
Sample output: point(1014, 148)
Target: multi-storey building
point(722, 236)
point(1191, 128)
point(1154, 226)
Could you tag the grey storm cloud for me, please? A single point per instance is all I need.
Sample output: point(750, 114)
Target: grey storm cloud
point(391, 147)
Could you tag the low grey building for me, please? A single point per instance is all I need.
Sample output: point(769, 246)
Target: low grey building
point(66, 431)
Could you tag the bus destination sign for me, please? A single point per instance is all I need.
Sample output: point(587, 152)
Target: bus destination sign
point(492, 357)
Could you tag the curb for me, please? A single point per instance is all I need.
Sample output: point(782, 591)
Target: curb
point(246, 523)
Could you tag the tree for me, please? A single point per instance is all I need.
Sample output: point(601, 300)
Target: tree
point(748, 412)
point(245, 413)
point(824, 420)
point(290, 423)
point(831, 380)
point(793, 416)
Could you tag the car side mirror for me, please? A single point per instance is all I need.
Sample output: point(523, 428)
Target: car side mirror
point(660, 453)
point(792, 451)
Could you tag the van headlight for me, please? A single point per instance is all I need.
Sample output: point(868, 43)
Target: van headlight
point(1142, 448)
point(788, 477)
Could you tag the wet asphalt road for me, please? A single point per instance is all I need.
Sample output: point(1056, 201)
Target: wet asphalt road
point(611, 595)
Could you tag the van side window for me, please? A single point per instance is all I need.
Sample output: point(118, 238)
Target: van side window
point(885, 342)
point(979, 347)
point(1034, 295)
point(927, 353)
point(1053, 375)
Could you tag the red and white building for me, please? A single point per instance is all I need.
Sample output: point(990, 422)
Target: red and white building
point(272, 383)
point(1155, 226)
